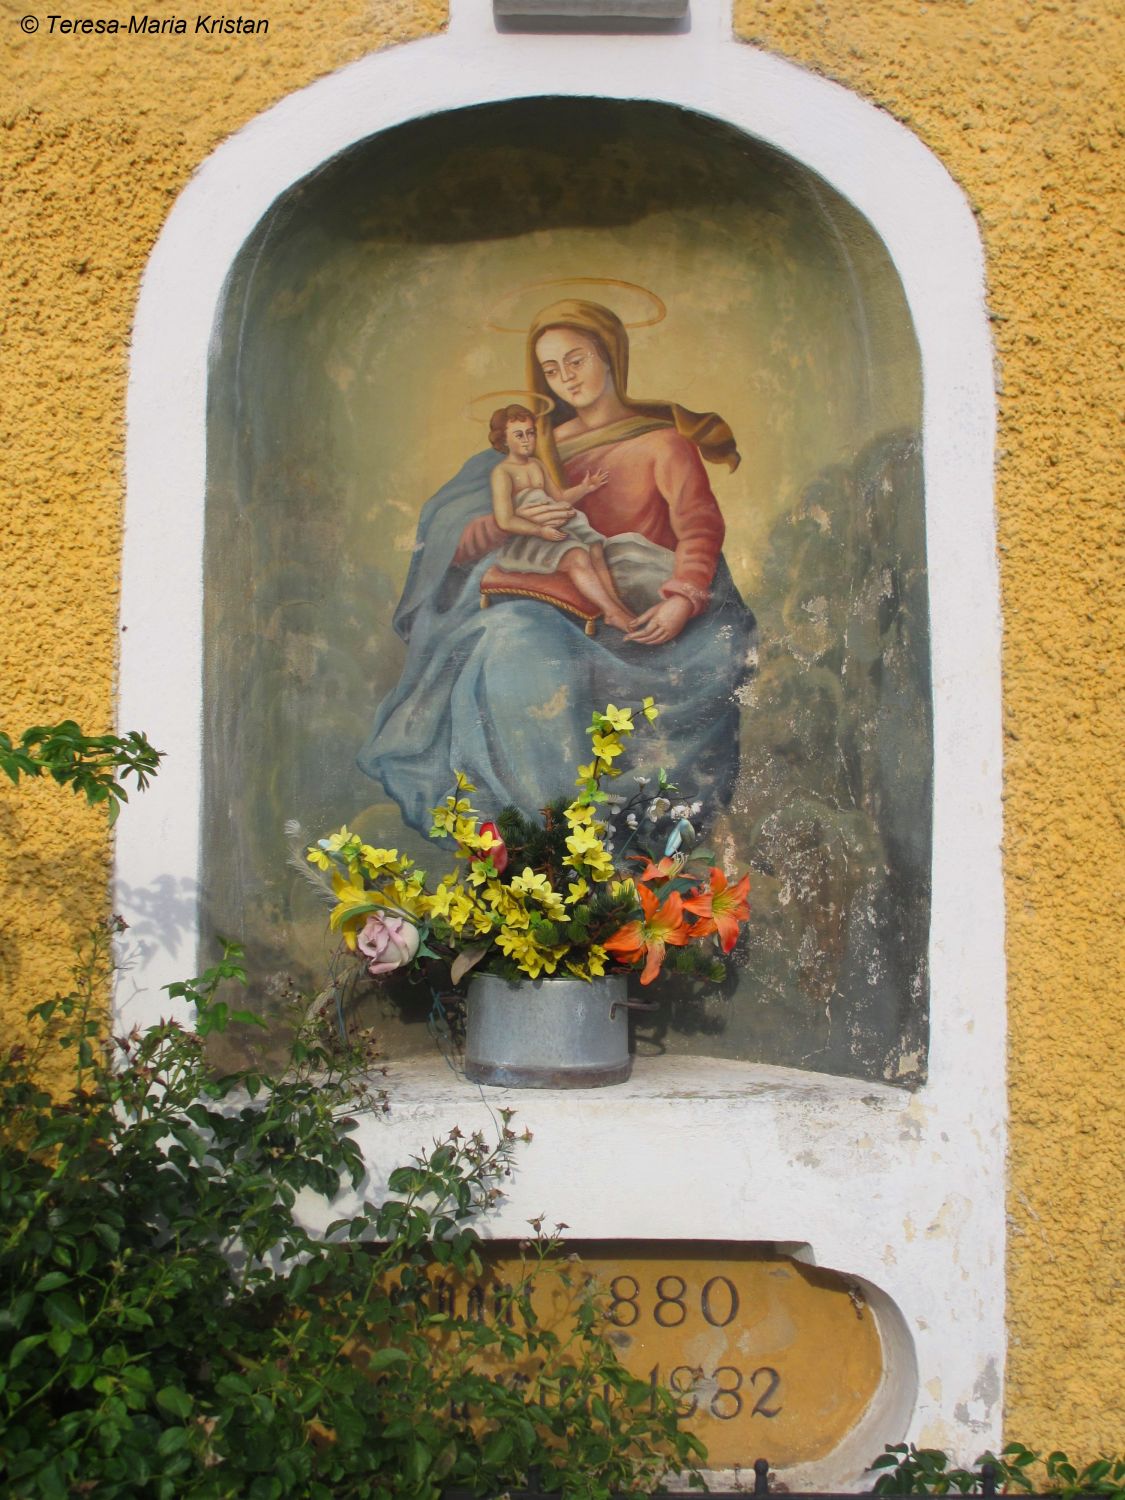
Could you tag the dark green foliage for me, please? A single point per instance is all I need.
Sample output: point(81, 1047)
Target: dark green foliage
point(537, 844)
point(698, 962)
point(926, 1471)
point(599, 915)
point(168, 1327)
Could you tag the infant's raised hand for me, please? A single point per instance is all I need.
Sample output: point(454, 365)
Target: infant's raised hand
point(595, 480)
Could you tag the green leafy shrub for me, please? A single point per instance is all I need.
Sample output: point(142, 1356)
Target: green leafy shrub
point(927, 1471)
point(170, 1328)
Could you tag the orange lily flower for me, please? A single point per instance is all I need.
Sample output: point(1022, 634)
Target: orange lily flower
point(662, 871)
point(721, 907)
point(661, 925)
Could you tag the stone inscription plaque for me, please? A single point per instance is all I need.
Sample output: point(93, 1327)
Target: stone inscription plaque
point(769, 1357)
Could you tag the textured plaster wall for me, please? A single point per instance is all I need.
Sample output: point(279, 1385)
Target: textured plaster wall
point(1021, 101)
point(1017, 99)
point(98, 135)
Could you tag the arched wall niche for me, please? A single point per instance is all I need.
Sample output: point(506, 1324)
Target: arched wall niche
point(900, 1189)
point(355, 348)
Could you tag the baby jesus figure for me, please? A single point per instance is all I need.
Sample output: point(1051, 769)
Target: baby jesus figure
point(573, 547)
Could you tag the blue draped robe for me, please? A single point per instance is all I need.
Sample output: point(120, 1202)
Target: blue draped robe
point(505, 694)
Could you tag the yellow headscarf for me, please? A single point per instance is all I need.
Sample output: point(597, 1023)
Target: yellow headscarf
point(706, 430)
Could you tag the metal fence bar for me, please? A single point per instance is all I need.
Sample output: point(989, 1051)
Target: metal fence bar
point(761, 1489)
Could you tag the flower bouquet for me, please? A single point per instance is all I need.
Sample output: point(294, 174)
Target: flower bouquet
point(600, 883)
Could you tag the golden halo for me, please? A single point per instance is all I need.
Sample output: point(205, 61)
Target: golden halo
point(502, 317)
point(481, 407)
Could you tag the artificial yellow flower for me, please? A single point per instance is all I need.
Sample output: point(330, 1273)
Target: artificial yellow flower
point(579, 812)
point(620, 719)
point(464, 830)
point(607, 746)
point(531, 884)
point(520, 946)
point(539, 961)
point(581, 840)
point(576, 890)
point(599, 865)
point(460, 910)
point(437, 905)
point(446, 818)
point(539, 888)
point(320, 853)
point(532, 959)
point(380, 861)
point(554, 907)
point(596, 960)
point(481, 921)
point(349, 892)
point(407, 895)
point(353, 903)
point(508, 907)
point(649, 709)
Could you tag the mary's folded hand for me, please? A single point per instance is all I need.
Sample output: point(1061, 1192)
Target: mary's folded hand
point(663, 622)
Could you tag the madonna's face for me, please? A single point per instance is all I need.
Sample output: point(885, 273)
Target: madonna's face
point(572, 365)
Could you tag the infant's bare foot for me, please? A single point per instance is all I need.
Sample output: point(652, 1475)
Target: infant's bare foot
point(619, 619)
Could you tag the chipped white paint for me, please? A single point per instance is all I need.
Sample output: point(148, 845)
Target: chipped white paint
point(905, 1193)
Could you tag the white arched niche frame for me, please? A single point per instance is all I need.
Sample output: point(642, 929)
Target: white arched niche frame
point(903, 1192)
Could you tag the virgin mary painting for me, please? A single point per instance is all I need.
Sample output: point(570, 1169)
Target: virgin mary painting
point(505, 693)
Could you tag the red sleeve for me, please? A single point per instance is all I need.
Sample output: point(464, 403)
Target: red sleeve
point(696, 521)
point(479, 537)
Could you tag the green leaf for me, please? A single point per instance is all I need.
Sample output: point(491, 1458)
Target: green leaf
point(498, 1447)
point(248, 1018)
point(300, 1281)
point(52, 1281)
point(382, 1359)
point(60, 1340)
point(64, 1312)
point(13, 1316)
point(24, 1348)
point(172, 1398)
point(418, 1460)
point(172, 1440)
point(232, 1385)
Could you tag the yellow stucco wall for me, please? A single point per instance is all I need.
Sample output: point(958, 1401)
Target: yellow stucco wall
point(1017, 98)
point(1021, 101)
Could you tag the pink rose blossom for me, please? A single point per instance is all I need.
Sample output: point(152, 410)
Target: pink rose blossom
point(387, 942)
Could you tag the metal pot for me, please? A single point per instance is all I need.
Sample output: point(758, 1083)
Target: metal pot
point(547, 1033)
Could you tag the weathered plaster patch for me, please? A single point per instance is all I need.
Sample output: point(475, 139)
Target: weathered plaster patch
point(986, 1393)
point(555, 705)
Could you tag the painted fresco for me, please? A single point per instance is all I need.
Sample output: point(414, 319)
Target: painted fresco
point(737, 531)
